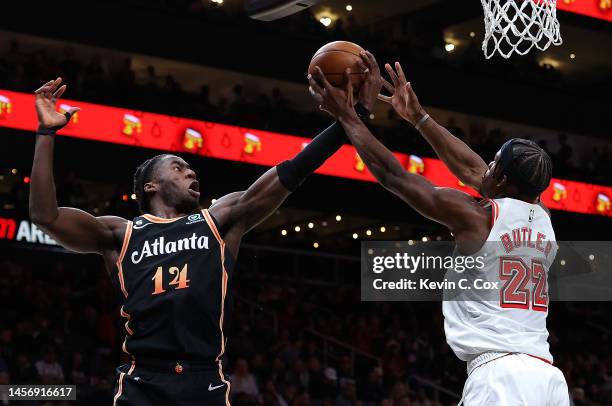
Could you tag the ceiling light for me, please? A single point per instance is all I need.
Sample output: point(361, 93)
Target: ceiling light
point(316, 245)
point(324, 223)
point(349, 7)
point(562, 262)
point(14, 171)
point(383, 229)
point(424, 239)
point(284, 232)
point(572, 56)
point(213, 201)
point(297, 229)
point(472, 34)
point(591, 257)
point(369, 232)
point(338, 217)
point(133, 196)
point(449, 47)
point(355, 235)
point(326, 21)
point(310, 225)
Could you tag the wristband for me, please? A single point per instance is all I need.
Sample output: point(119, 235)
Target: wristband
point(45, 131)
point(421, 122)
point(53, 130)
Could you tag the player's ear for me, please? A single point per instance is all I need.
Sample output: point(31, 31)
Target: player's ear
point(502, 182)
point(150, 187)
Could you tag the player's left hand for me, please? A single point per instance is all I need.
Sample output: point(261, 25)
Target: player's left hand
point(338, 102)
point(373, 80)
point(45, 99)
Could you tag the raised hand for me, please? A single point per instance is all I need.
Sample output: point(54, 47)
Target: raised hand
point(339, 103)
point(46, 97)
point(403, 99)
point(373, 82)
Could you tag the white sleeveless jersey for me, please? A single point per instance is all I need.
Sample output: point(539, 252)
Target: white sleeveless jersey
point(519, 251)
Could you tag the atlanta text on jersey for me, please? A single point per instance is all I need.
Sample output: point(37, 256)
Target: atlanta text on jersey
point(160, 247)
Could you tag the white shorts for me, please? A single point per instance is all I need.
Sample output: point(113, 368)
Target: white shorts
point(516, 380)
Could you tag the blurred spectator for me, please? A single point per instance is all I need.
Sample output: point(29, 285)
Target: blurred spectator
point(49, 370)
point(372, 390)
point(243, 382)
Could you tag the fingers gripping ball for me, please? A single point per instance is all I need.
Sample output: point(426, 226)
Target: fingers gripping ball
point(333, 59)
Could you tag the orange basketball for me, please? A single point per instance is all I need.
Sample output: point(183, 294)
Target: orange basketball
point(333, 59)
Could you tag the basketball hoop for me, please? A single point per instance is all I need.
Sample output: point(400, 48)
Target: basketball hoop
point(519, 25)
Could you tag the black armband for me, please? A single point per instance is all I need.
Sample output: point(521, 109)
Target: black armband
point(293, 172)
point(53, 130)
point(45, 131)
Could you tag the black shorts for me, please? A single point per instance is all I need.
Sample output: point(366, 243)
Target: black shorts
point(173, 384)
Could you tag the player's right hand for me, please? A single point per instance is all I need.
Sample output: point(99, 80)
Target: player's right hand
point(403, 99)
point(46, 96)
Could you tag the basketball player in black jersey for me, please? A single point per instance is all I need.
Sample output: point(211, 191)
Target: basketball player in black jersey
point(173, 264)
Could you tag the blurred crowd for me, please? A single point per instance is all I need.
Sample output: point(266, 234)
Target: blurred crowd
point(105, 80)
point(60, 324)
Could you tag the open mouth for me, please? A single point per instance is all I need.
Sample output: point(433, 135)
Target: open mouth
point(194, 188)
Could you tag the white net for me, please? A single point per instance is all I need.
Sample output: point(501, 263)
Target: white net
point(519, 25)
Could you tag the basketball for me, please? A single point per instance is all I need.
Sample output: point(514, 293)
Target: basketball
point(333, 59)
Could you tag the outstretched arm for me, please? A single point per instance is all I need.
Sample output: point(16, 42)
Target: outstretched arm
point(74, 229)
point(463, 162)
point(444, 205)
point(239, 212)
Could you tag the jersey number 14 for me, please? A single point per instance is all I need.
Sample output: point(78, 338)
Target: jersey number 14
point(180, 279)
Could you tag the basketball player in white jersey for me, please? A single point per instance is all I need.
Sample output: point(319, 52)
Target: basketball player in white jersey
point(504, 342)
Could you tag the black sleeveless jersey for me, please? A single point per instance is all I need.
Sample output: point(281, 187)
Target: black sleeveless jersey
point(174, 278)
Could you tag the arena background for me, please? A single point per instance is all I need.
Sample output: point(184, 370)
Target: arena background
point(300, 334)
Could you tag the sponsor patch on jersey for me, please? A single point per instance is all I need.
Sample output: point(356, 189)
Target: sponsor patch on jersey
point(195, 218)
point(140, 223)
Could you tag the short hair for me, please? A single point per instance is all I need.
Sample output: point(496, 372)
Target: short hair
point(144, 173)
point(530, 167)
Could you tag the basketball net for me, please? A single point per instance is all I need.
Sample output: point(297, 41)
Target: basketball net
point(519, 25)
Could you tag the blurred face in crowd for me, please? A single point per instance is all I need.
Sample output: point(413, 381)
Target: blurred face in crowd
point(7, 335)
point(242, 368)
point(176, 184)
point(314, 364)
point(50, 357)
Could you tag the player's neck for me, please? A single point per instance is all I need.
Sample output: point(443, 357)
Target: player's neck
point(525, 199)
point(167, 212)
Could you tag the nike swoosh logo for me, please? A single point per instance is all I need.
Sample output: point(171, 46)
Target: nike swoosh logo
point(142, 226)
point(211, 388)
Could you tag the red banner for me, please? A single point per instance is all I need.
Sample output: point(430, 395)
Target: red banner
point(175, 134)
point(601, 9)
